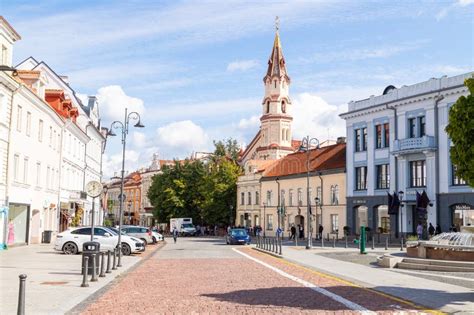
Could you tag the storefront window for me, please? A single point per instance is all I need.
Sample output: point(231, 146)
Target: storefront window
point(362, 217)
point(383, 219)
point(463, 215)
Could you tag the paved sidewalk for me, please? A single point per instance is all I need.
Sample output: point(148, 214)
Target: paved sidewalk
point(433, 294)
point(54, 279)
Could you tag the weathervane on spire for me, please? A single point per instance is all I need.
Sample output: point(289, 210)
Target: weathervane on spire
point(277, 23)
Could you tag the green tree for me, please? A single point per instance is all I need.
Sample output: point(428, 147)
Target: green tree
point(228, 147)
point(461, 131)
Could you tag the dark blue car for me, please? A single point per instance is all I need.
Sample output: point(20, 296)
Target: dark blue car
point(237, 236)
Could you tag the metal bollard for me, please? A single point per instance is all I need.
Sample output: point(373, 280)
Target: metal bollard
point(328, 237)
point(386, 243)
point(322, 241)
point(273, 245)
point(346, 241)
point(373, 241)
point(84, 274)
point(114, 264)
point(94, 271)
point(280, 245)
point(401, 244)
point(21, 295)
point(108, 262)
point(102, 264)
point(333, 242)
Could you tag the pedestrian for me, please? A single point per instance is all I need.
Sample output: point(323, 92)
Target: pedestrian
point(293, 232)
point(320, 231)
point(175, 234)
point(301, 231)
point(438, 229)
point(419, 231)
point(431, 230)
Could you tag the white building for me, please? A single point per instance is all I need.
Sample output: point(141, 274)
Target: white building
point(397, 142)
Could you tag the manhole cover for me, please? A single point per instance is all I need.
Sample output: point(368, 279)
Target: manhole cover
point(54, 282)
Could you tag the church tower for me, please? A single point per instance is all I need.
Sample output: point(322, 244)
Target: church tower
point(276, 119)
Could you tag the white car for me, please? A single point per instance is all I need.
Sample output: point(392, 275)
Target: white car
point(71, 241)
point(157, 237)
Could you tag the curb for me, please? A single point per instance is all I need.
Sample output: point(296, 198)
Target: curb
point(94, 297)
point(267, 252)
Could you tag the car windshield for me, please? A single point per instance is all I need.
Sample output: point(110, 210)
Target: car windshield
point(187, 225)
point(238, 233)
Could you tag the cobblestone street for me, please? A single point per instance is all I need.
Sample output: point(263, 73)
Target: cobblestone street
point(206, 276)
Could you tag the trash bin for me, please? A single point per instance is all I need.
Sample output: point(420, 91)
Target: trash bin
point(46, 237)
point(88, 249)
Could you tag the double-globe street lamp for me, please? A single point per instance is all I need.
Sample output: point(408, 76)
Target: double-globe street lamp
point(123, 126)
point(306, 147)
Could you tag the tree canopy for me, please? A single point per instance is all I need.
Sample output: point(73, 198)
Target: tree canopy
point(461, 131)
point(204, 190)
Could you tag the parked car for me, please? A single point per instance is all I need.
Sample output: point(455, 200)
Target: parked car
point(70, 242)
point(140, 232)
point(157, 237)
point(116, 231)
point(237, 236)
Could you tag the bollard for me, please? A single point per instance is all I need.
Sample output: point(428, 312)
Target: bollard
point(296, 241)
point(346, 241)
point(333, 242)
point(273, 245)
point(401, 244)
point(373, 241)
point(108, 262)
point(114, 264)
point(84, 274)
point(386, 243)
point(21, 295)
point(280, 245)
point(328, 237)
point(358, 243)
point(322, 241)
point(94, 271)
point(102, 265)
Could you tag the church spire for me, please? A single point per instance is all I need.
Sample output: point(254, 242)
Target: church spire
point(276, 62)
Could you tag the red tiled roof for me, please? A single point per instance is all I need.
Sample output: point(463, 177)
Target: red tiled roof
point(326, 158)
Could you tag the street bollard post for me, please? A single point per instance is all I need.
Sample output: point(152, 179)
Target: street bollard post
point(280, 245)
point(386, 243)
point(373, 241)
point(84, 274)
point(328, 236)
point(322, 241)
point(108, 262)
point(346, 241)
point(362, 240)
point(401, 244)
point(296, 241)
point(94, 271)
point(333, 242)
point(273, 245)
point(114, 264)
point(102, 264)
point(21, 295)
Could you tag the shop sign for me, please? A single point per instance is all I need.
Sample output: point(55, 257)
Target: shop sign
point(359, 201)
point(462, 207)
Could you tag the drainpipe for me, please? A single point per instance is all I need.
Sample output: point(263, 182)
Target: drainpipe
point(395, 129)
point(320, 201)
point(437, 99)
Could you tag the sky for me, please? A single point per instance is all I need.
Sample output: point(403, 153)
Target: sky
point(194, 69)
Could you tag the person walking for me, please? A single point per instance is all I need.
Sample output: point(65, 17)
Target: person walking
point(320, 231)
point(419, 231)
point(438, 229)
point(175, 234)
point(293, 232)
point(301, 231)
point(431, 230)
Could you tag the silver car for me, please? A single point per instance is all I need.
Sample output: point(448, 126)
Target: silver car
point(140, 232)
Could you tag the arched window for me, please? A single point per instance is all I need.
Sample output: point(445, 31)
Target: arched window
point(275, 83)
point(268, 107)
point(336, 195)
point(249, 201)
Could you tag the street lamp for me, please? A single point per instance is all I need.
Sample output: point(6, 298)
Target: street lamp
point(306, 146)
point(264, 219)
point(278, 204)
point(123, 126)
point(5, 68)
point(401, 193)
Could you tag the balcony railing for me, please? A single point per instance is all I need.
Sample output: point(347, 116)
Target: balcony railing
point(413, 145)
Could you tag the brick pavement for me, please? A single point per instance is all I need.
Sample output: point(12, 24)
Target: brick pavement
point(234, 285)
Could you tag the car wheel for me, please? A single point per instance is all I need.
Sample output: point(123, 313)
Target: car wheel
point(144, 241)
point(126, 250)
point(70, 248)
point(154, 240)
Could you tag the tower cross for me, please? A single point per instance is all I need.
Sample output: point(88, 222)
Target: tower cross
point(277, 23)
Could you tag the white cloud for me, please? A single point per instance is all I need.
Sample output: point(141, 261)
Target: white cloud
point(313, 116)
point(112, 164)
point(252, 122)
point(113, 101)
point(464, 3)
point(241, 65)
point(139, 139)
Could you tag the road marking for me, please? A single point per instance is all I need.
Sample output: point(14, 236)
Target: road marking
point(335, 297)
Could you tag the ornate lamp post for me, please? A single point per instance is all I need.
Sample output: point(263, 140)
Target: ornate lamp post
point(306, 147)
point(123, 126)
point(401, 193)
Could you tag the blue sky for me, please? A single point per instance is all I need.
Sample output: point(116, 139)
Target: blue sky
point(194, 68)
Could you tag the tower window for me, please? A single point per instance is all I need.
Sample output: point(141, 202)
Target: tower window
point(268, 106)
point(275, 84)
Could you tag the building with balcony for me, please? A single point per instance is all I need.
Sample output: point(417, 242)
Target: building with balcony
point(397, 142)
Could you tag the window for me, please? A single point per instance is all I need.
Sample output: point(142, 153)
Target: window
point(334, 223)
point(456, 180)
point(249, 201)
point(16, 167)
point(282, 197)
point(83, 231)
point(25, 170)
point(269, 222)
point(364, 139)
point(300, 197)
point(242, 198)
point(386, 131)
point(412, 128)
point(334, 195)
point(269, 198)
point(40, 131)
point(290, 193)
point(318, 194)
point(383, 176)
point(268, 107)
point(361, 178)
point(18, 118)
point(257, 198)
point(378, 136)
point(421, 125)
point(418, 173)
point(357, 140)
point(275, 84)
point(38, 174)
point(28, 123)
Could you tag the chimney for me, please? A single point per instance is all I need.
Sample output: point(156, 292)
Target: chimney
point(341, 140)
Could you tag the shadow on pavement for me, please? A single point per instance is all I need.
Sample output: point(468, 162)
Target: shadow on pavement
point(304, 298)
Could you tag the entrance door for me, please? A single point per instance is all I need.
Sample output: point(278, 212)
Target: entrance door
point(35, 226)
point(19, 216)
